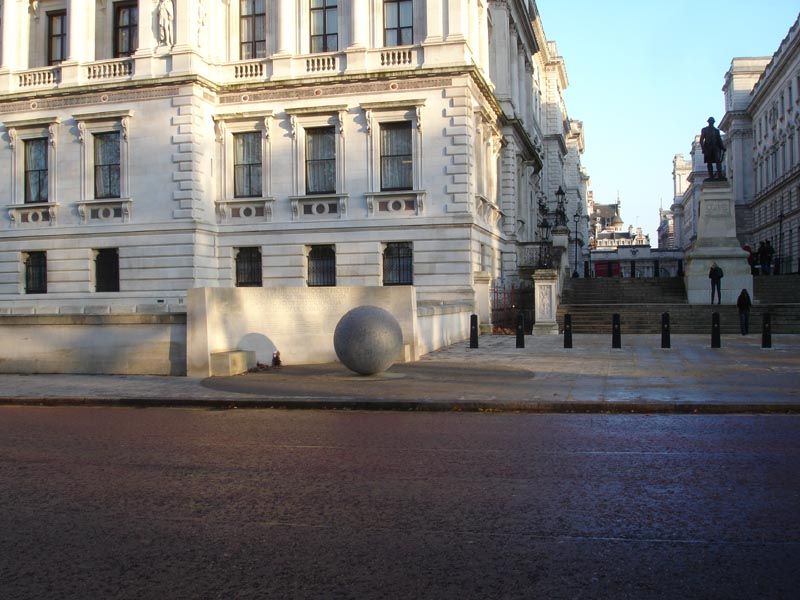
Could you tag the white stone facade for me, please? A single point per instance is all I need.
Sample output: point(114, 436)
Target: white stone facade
point(124, 123)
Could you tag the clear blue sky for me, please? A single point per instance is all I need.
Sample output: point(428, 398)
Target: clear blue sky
point(644, 77)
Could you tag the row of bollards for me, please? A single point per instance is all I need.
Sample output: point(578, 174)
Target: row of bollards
point(616, 331)
point(716, 340)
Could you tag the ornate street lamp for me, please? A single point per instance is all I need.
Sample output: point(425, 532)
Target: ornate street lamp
point(561, 210)
point(780, 245)
point(576, 217)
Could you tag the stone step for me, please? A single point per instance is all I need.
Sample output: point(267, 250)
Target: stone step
point(684, 318)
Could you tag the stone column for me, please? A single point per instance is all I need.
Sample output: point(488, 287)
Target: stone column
point(457, 11)
point(545, 283)
point(80, 33)
point(434, 19)
point(10, 29)
point(147, 40)
point(359, 24)
point(287, 23)
point(185, 23)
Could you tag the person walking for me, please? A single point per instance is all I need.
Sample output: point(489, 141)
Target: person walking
point(743, 303)
point(763, 258)
point(715, 275)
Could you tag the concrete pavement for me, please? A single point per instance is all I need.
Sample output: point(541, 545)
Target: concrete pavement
point(543, 377)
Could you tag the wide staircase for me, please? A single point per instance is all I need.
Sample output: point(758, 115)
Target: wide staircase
point(641, 302)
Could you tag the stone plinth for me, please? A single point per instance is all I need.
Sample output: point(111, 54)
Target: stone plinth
point(716, 242)
point(545, 283)
point(483, 306)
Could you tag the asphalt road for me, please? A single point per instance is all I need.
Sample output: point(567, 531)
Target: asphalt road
point(159, 503)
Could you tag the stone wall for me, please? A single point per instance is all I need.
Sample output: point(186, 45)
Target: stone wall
point(134, 344)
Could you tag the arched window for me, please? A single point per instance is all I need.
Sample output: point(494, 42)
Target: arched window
point(321, 266)
point(398, 264)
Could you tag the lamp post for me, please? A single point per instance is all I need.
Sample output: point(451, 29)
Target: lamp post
point(576, 217)
point(561, 211)
point(780, 244)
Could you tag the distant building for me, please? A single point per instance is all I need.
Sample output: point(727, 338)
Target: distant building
point(666, 230)
point(618, 250)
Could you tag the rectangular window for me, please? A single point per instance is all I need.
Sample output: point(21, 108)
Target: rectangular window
point(321, 266)
point(398, 23)
point(398, 267)
point(36, 273)
point(106, 165)
point(396, 165)
point(56, 37)
point(320, 160)
point(106, 270)
point(252, 29)
point(126, 28)
point(324, 26)
point(247, 165)
point(36, 170)
point(248, 267)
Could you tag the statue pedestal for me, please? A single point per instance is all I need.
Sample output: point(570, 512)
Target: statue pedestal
point(545, 283)
point(717, 243)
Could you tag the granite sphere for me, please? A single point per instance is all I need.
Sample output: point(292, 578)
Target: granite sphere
point(367, 340)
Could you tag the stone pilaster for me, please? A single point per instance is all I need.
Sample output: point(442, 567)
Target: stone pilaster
point(545, 283)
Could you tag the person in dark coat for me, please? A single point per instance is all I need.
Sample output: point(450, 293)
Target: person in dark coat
point(715, 275)
point(743, 303)
point(763, 258)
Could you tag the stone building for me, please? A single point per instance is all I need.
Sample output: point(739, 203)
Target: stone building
point(762, 125)
point(153, 146)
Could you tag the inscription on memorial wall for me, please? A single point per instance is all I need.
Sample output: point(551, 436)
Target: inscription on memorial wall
point(717, 208)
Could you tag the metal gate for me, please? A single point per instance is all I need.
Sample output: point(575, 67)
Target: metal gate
point(507, 303)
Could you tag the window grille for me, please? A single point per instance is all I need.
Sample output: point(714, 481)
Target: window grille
point(396, 165)
point(398, 23)
point(320, 160)
point(106, 265)
point(247, 165)
point(36, 273)
point(252, 29)
point(322, 266)
point(36, 170)
point(106, 165)
point(324, 26)
point(56, 37)
point(248, 267)
point(126, 28)
point(398, 268)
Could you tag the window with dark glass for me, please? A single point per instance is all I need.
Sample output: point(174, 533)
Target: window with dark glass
point(36, 273)
point(106, 270)
point(398, 23)
point(396, 169)
point(106, 165)
point(248, 267)
point(247, 165)
point(126, 28)
point(324, 25)
point(321, 266)
point(36, 170)
point(320, 160)
point(252, 29)
point(56, 37)
point(398, 266)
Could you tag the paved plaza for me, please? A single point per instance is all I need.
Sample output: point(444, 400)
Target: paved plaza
point(544, 376)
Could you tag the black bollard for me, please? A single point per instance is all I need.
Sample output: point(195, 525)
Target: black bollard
point(715, 339)
point(665, 341)
point(567, 331)
point(520, 330)
point(766, 331)
point(473, 331)
point(616, 333)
